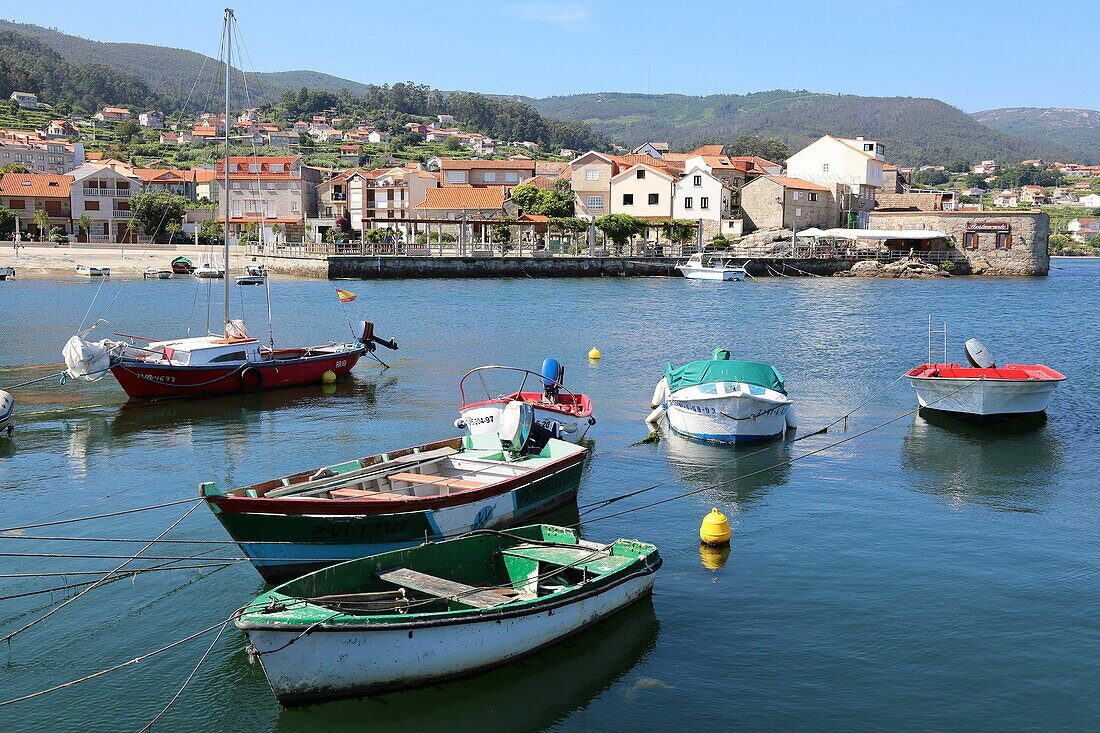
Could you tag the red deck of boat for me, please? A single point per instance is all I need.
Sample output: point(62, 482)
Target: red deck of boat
point(1006, 373)
point(567, 404)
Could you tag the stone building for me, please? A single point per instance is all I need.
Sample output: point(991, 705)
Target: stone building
point(777, 202)
point(991, 242)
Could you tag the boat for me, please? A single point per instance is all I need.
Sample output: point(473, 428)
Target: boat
point(981, 389)
point(292, 525)
point(7, 273)
point(440, 611)
point(7, 409)
point(721, 400)
point(182, 266)
point(209, 270)
point(558, 409)
point(710, 267)
point(93, 271)
point(154, 273)
point(254, 275)
point(218, 363)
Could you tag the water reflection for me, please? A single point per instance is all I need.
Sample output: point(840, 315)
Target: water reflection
point(753, 468)
point(1005, 466)
point(529, 695)
point(712, 557)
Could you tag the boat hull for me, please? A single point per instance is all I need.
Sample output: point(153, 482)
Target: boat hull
point(150, 380)
point(983, 398)
point(286, 546)
point(484, 419)
point(712, 273)
point(333, 663)
point(732, 418)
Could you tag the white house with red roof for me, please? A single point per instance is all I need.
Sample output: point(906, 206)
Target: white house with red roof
point(265, 191)
point(1083, 229)
point(851, 167)
point(644, 191)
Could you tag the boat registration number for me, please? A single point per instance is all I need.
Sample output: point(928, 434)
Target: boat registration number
point(159, 378)
point(341, 363)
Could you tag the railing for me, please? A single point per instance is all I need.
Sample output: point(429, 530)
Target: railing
point(99, 238)
point(122, 214)
point(115, 193)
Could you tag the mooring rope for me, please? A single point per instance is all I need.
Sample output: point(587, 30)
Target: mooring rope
point(100, 516)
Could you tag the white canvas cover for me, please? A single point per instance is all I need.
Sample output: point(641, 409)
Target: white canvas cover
point(86, 360)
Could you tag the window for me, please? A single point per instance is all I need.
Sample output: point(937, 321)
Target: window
point(253, 167)
point(276, 167)
point(231, 356)
point(704, 202)
point(970, 240)
point(456, 176)
point(868, 147)
point(687, 202)
point(511, 177)
point(594, 203)
point(237, 209)
point(1004, 240)
point(641, 173)
point(294, 206)
point(795, 195)
point(697, 181)
point(628, 199)
point(798, 212)
point(654, 199)
point(592, 174)
point(824, 167)
point(17, 204)
point(490, 176)
point(91, 206)
point(812, 196)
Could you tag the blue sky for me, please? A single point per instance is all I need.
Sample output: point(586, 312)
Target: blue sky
point(970, 53)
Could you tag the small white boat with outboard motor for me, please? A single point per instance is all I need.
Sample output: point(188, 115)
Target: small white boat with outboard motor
point(720, 400)
point(254, 275)
point(7, 273)
point(156, 273)
point(702, 266)
point(90, 271)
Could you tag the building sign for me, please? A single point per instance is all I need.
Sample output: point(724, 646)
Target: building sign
point(985, 225)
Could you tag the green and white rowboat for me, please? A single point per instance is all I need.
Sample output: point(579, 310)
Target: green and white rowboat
point(293, 525)
point(439, 611)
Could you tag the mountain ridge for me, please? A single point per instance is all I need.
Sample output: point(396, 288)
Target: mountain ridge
point(1074, 128)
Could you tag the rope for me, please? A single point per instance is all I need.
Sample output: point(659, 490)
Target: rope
point(57, 608)
point(100, 516)
point(33, 381)
point(120, 576)
point(190, 677)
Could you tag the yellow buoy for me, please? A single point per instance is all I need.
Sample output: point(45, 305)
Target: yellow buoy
point(594, 354)
point(329, 377)
point(715, 529)
point(714, 558)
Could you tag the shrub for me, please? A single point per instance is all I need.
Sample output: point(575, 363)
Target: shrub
point(947, 265)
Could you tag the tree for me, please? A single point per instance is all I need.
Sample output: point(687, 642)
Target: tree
point(976, 180)
point(210, 232)
point(502, 231)
point(42, 223)
point(771, 149)
point(620, 228)
point(14, 168)
point(276, 231)
point(452, 143)
point(154, 210)
point(376, 236)
point(1095, 241)
point(555, 202)
point(678, 231)
point(930, 178)
point(7, 222)
point(84, 224)
point(959, 166)
point(1059, 242)
point(126, 131)
point(173, 228)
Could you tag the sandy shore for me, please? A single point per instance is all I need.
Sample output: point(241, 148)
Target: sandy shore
point(41, 261)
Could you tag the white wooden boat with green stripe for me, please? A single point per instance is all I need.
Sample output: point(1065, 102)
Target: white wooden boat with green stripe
point(439, 611)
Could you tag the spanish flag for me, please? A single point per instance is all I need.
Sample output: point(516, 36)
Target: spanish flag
point(346, 296)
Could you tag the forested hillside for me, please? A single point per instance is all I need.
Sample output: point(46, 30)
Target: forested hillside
point(915, 130)
point(1076, 130)
point(28, 65)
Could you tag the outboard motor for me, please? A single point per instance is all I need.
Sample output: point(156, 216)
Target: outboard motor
point(368, 339)
point(519, 433)
point(553, 376)
point(978, 356)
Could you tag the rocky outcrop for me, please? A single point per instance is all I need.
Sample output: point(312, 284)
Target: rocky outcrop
point(910, 268)
point(765, 243)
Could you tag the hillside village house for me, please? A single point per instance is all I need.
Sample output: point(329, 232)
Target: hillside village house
point(702, 197)
point(1006, 198)
point(152, 119)
point(1082, 230)
point(62, 129)
point(507, 173)
point(643, 191)
point(25, 193)
point(102, 191)
point(376, 199)
point(850, 168)
point(26, 100)
point(1091, 199)
point(113, 114)
point(39, 153)
point(1033, 195)
point(780, 202)
point(266, 191)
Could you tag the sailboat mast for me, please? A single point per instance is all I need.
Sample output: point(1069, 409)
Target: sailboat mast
point(225, 228)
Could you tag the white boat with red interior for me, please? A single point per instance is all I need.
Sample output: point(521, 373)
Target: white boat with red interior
point(566, 414)
point(981, 388)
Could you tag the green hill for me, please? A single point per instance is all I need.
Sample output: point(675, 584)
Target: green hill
point(172, 71)
point(1076, 130)
point(915, 130)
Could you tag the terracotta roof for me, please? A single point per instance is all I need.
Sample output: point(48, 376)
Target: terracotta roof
point(707, 150)
point(797, 183)
point(535, 218)
point(203, 175)
point(670, 166)
point(204, 130)
point(452, 164)
point(240, 167)
point(543, 182)
point(44, 185)
point(665, 172)
point(116, 110)
point(453, 198)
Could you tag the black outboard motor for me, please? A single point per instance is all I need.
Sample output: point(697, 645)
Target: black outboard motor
point(368, 339)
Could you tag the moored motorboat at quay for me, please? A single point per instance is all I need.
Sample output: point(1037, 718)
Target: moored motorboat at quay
point(556, 407)
point(291, 525)
point(720, 400)
point(981, 389)
point(439, 611)
point(702, 266)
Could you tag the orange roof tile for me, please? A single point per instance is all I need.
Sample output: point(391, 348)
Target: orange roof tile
point(454, 198)
point(798, 183)
point(707, 150)
point(452, 164)
point(31, 185)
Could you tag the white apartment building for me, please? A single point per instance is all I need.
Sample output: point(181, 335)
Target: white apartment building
point(851, 167)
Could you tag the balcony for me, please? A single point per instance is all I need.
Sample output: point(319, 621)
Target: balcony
point(114, 193)
point(339, 196)
point(122, 214)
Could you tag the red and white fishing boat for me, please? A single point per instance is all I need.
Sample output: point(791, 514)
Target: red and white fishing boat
point(564, 413)
point(982, 389)
point(228, 362)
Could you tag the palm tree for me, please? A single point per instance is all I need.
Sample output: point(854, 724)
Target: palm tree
point(276, 230)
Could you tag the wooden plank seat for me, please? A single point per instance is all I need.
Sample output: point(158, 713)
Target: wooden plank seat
point(442, 588)
point(450, 483)
point(363, 494)
point(321, 482)
point(595, 561)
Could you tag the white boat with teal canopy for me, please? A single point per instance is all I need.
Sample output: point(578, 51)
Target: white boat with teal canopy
point(722, 400)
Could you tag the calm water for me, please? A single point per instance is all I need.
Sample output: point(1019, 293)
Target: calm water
point(924, 576)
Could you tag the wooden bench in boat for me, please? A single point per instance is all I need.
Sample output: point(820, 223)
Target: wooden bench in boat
point(442, 588)
point(598, 561)
point(321, 482)
point(421, 478)
point(365, 494)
